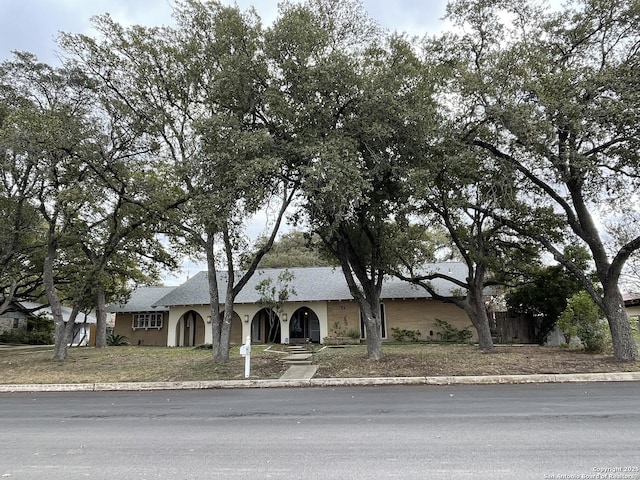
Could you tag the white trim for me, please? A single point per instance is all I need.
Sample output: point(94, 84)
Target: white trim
point(147, 320)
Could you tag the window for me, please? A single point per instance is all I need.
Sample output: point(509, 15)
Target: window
point(383, 324)
point(147, 320)
point(16, 323)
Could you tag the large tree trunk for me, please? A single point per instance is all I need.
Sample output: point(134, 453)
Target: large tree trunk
point(372, 323)
point(367, 293)
point(624, 346)
point(60, 349)
point(214, 297)
point(101, 315)
point(222, 355)
point(477, 313)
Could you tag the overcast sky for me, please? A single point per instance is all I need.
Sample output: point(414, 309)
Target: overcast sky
point(33, 25)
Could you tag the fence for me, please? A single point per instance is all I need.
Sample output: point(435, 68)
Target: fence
point(514, 328)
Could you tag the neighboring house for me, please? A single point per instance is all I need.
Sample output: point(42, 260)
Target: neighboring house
point(14, 317)
point(632, 304)
point(321, 306)
point(19, 312)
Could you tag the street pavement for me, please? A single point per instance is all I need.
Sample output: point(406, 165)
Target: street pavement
point(497, 432)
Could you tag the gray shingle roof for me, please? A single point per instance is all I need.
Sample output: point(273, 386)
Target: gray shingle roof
point(310, 284)
point(38, 308)
point(143, 299)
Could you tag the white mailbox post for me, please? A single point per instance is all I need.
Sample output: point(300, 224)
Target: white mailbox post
point(245, 351)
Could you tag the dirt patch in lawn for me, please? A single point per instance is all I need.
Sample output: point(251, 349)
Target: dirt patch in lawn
point(444, 360)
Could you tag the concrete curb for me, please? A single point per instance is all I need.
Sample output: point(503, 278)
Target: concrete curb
point(326, 382)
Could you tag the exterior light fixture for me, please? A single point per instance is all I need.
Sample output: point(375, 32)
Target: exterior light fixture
point(246, 319)
point(208, 318)
point(284, 317)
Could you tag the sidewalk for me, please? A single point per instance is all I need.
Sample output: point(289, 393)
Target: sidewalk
point(328, 382)
point(302, 376)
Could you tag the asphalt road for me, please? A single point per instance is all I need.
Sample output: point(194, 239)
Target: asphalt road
point(545, 431)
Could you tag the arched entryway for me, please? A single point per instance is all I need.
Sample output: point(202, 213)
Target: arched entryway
point(236, 329)
point(304, 326)
point(265, 327)
point(190, 330)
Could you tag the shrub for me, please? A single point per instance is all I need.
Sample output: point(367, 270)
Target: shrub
point(39, 331)
point(353, 333)
point(400, 335)
point(583, 319)
point(114, 340)
point(449, 333)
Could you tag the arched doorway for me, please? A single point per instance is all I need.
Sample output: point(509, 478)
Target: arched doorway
point(265, 327)
point(304, 326)
point(236, 329)
point(190, 330)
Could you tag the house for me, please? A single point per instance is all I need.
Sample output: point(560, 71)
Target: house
point(320, 306)
point(141, 320)
point(632, 304)
point(18, 313)
point(14, 317)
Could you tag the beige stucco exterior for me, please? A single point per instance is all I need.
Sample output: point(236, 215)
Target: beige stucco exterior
point(189, 325)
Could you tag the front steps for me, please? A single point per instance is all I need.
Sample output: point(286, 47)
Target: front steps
point(299, 362)
point(298, 355)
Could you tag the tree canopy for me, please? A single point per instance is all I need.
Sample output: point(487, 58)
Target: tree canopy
point(515, 131)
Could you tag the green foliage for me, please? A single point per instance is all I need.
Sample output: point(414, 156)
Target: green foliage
point(293, 249)
point(635, 328)
point(448, 333)
point(115, 340)
point(401, 335)
point(353, 333)
point(583, 319)
point(552, 96)
point(273, 295)
point(544, 291)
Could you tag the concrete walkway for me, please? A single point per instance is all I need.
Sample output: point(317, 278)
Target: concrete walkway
point(300, 372)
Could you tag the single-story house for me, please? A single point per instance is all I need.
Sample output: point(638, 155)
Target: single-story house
point(320, 306)
point(18, 313)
